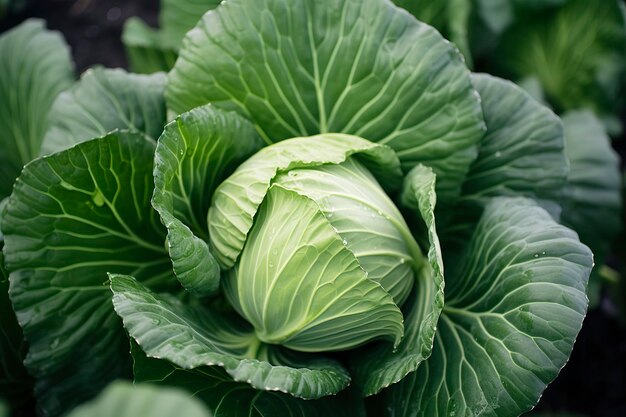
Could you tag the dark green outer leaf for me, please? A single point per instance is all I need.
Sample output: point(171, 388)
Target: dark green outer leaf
point(195, 153)
point(227, 398)
point(177, 17)
point(594, 202)
point(73, 217)
point(432, 12)
point(450, 17)
point(282, 64)
point(376, 367)
point(539, 4)
point(151, 50)
point(521, 154)
point(123, 399)
point(35, 68)
point(496, 15)
point(513, 310)
point(104, 100)
point(16, 386)
point(146, 49)
point(193, 337)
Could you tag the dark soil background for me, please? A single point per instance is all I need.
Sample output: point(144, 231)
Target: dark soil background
point(592, 384)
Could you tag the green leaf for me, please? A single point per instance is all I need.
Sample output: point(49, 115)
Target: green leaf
point(286, 70)
point(146, 49)
point(376, 367)
point(459, 13)
point(301, 287)
point(365, 218)
point(497, 15)
point(521, 154)
point(193, 336)
point(227, 398)
point(151, 50)
point(594, 202)
point(123, 399)
point(427, 11)
point(195, 153)
point(514, 305)
point(104, 100)
point(16, 386)
point(576, 51)
point(539, 4)
point(177, 17)
point(73, 217)
point(237, 199)
point(35, 68)
point(450, 17)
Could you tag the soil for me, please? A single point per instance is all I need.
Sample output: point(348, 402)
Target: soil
point(592, 384)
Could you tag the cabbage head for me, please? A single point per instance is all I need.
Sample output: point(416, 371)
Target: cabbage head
point(339, 219)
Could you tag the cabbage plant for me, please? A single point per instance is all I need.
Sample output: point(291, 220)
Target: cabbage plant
point(284, 246)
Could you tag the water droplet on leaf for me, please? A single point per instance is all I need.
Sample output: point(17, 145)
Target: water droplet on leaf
point(98, 198)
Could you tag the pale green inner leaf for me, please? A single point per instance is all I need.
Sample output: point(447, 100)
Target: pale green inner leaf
point(236, 200)
point(300, 286)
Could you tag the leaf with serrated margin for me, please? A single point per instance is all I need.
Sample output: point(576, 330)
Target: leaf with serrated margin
point(73, 217)
point(35, 68)
point(376, 367)
point(361, 67)
point(227, 398)
point(513, 310)
point(104, 100)
point(522, 154)
point(196, 152)
point(194, 336)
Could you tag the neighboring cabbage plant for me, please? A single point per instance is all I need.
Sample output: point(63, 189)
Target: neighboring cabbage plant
point(576, 52)
point(282, 248)
point(572, 52)
point(151, 50)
